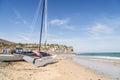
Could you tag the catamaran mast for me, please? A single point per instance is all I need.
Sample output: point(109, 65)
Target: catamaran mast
point(42, 21)
point(46, 25)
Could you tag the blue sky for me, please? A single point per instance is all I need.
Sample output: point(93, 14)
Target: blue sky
point(87, 25)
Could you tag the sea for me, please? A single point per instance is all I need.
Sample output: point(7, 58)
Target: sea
point(110, 56)
point(105, 54)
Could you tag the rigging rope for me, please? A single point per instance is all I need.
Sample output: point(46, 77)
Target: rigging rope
point(35, 18)
point(43, 21)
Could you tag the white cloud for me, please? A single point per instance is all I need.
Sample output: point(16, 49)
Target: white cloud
point(59, 22)
point(99, 29)
point(19, 18)
point(63, 23)
point(69, 27)
point(24, 38)
point(113, 21)
point(21, 21)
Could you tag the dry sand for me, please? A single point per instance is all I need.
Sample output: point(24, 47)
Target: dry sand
point(63, 69)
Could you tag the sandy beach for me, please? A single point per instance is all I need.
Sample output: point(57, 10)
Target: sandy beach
point(63, 69)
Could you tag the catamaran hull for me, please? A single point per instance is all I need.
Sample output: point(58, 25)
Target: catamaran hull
point(39, 61)
point(10, 57)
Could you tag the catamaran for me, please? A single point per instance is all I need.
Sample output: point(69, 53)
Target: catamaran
point(37, 60)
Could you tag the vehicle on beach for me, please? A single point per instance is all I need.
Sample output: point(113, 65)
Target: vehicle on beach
point(17, 50)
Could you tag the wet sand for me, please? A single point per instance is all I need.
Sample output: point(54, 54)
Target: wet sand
point(63, 69)
point(107, 67)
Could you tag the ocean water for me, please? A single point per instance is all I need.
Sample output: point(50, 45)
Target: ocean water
point(106, 54)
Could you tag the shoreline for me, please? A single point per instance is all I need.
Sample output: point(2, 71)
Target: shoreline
point(63, 69)
point(106, 67)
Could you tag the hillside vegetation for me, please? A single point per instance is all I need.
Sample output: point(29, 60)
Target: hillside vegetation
point(50, 48)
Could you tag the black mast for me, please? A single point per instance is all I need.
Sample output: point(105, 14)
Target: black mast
point(41, 29)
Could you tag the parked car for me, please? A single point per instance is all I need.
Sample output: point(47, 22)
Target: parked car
point(17, 50)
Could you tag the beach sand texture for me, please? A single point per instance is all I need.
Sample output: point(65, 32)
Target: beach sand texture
point(63, 69)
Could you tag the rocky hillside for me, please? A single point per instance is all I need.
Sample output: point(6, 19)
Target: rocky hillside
point(6, 41)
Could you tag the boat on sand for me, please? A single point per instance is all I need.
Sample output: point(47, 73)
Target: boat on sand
point(11, 57)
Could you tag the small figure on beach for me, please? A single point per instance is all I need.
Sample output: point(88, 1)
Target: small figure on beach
point(5, 50)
